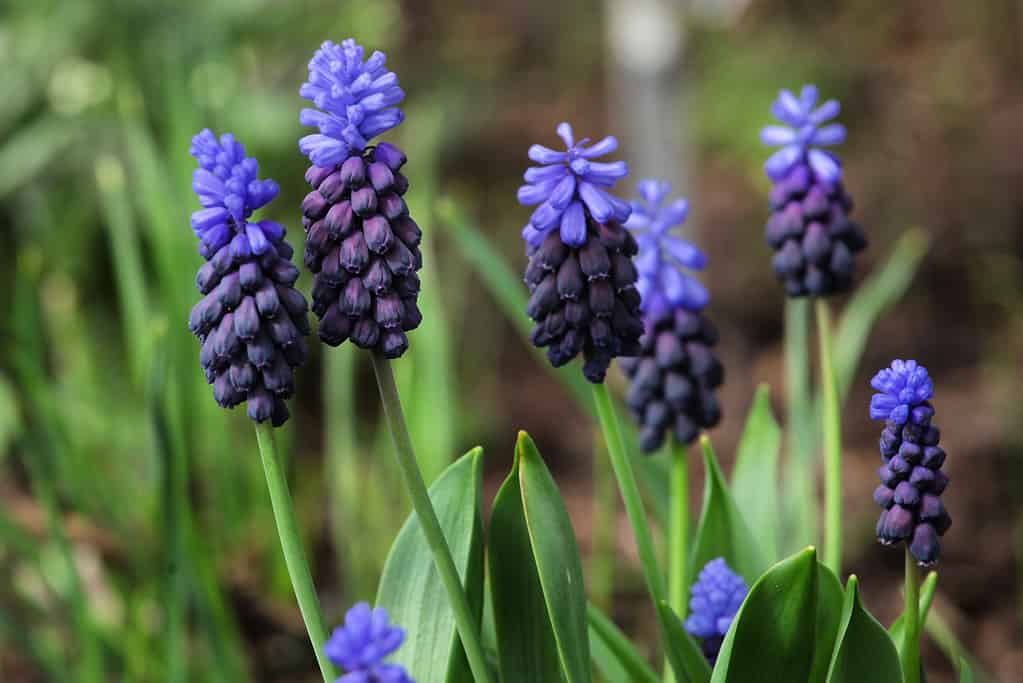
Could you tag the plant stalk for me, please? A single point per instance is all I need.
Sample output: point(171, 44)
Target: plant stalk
point(631, 497)
point(291, 544)
point(678, 536)
point(800, 423)
point(911, 651)
point(831, 428)
point(605, 522)
point(468, 628)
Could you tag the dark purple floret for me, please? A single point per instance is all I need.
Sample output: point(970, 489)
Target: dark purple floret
point(673, 378)
point(361, 244)
point(809, 229)
point(911, 477)
point(716, 598)
point(580, 275)
point(251, 321)
point(361, 645)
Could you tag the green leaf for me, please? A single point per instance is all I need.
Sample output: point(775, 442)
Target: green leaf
point(411, 589)
point(772, 637)
point(722, 531)
point(898, 628)
point(829, 614)
point(864, 651)
point(536, 577)
point(880, 291)
point(756, 471)
point(685, 656)
point(613, 654)
point(965, 671)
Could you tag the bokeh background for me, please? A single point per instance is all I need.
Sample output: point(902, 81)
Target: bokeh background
point(135, 528)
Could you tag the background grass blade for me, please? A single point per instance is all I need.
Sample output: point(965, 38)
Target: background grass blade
point(686, 657)
point(614, 645)
point(756, 470)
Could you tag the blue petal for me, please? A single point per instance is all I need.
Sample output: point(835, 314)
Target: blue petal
point(545, 217)
point(782, 160)
point(596, 201)
point(322, 150)
point(685, 252)
point(536, 174)
point(612, 170)
point(788, 109)
point(599, 149)
point(257, 240)
point(808, 98)
point(825, 112)
point(573, 225)
point(777, 135)
point(530, 195)
point(546, 155)
point(563, 192)
point(565, 133)
point(829, 135)
point(532, 236)
point(204, 219)
point(825, 165)
point(653, 190)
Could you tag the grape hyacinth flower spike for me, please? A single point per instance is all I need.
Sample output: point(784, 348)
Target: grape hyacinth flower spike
point(672, 380)
point(361, 244)
point(716, 598)
point(809, 228)
point(251, 320)
point(580, 274)
point(360, 646)
point(911, 477)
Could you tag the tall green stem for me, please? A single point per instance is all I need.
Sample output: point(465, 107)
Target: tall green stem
point(468, 628)
point(831, 428)
point(630, 496)
point(678, 536)
point(291, 543)
point(800, 422)
point(605, 517)
point(911, 651)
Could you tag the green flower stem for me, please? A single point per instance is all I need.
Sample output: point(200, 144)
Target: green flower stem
point(911, 651)
point(630, 496)
point(678, 536)
point(800, 420)
point(291, 543)
point(605, 516)
point(468, 628)
point(832, 431)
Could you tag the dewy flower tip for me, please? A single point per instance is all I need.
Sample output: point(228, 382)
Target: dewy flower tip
point(911, 477)
point(361, 645)
point(674, 376)
point(809, 229)
point(361, 244)
point(251, 320)
point(580, 274)
point(716, 597)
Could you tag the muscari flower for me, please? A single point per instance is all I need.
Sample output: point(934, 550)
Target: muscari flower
point(716, 597)
point(361, 645)
point(251, 320)
point(361, 244)
point(911, 477)
point(580, 274)
point(809, 228)
point(672, 379)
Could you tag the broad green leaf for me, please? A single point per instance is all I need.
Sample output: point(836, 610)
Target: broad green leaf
point(614, 655)
point(772, 637)
point(684, 655)
point(411, 589)
point(755, 474)
point(880, 291)
point(829, 614)
point(864, 651)
point(965, 671)
point(898, 628)
point(722, 531)
point(536, 577)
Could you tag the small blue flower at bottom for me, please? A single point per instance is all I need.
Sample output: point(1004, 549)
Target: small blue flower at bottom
point(716, 598)
point(361, 644)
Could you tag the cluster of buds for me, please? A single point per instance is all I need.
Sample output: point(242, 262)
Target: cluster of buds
point(674, 376)
point(716, 597)
point(911, 477)
point(251, 321)
point(361, 243)
point(809, 228)
point(362, 644)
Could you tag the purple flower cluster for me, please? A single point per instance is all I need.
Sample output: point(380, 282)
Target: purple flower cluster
point(581, 276)
point(911, 477)
point(361, 645)
point(361, 243)
point(716, 598)
point(673, 378)
point(251, 321)
point(809, 228)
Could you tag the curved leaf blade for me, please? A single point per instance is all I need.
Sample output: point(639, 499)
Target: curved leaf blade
point(615, 646)
point(685, 656)
point(536, 577)
point(756, 471)
point(772, 637)
point(829, 614)
point(410, 587)
point(723, 531)
point(864, 650)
